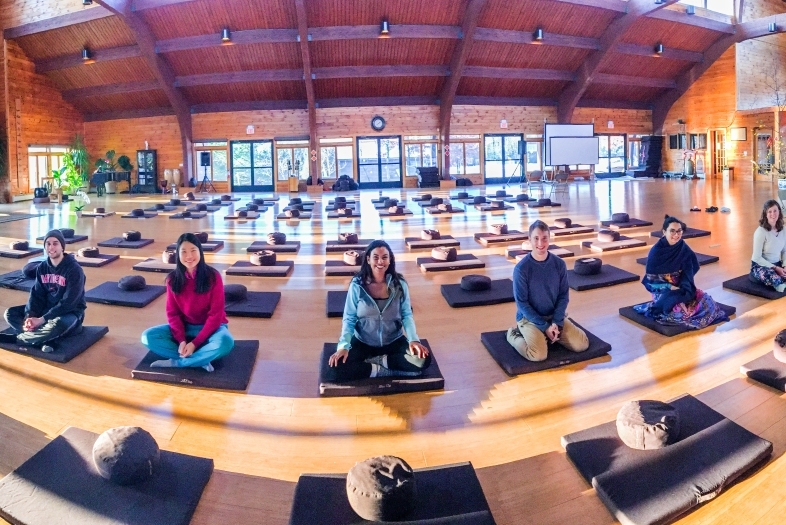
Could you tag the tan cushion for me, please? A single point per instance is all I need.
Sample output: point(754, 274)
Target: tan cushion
point(429, 235)
point(443, 253)
point(353, 258)
point(499, 229)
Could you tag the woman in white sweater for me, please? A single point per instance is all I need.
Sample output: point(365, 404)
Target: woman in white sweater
point(769, 248)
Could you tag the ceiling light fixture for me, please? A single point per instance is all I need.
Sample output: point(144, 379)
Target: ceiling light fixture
point(87, 2)
point(658, 2)
point(384, 28)
point(225, 36)
point(772, 27)
point(658, 49)
point(86, 56)
point(538, 34)
point(690, 10)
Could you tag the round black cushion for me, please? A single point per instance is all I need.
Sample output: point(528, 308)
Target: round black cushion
point(298, 207)
point(544, 202)
point(620, 217)
point(339, 199)
point(68, 233)
point(90, 252)
point(426, 196)
point(202, 237)
point(436, 201)
point(462, 195)
point(126, 455)
point(185, 214)
point(30, 269)
point(132, 283)
point(648, 425)
point(263, 258)
point(381, 488)
point(587, 266)
point(190, 196)
point(242, 213)
point(100, 210)
point(235, 292)
point(160, 206)
point(390, 203)
point(276, 238)
point(608, 235)
point(19, 245)
point(226, 197)
point(295, 200)
point(137, 212)
point(174, 202)
point(522, 197)
point(292, 213)
point(168, 257)
point(201, 207)
point(501, 193)
point(216, 202)
point(480, 199)
point(347, 238)
point(475, 283)
point(252, 207)
point(340, 205)
point(259, 202)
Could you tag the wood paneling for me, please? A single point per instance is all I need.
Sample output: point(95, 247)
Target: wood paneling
point(495, 54)
point(399, 120)
point(381, 87)
point(381, 51)
point(235, 58)
point(98, 73)
point(97, 34)
point(350, 12)
point(17, 12)
point(557, 17)
point(119, 102)
point(635, 121)
point(285, 90)
point(644, 66)
point(616, 92)
point(650, 31)
point(267, 124)
point(493, 87)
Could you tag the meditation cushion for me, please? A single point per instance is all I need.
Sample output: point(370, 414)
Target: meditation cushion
point(226, 197)
point(292, 213)
point(648, 425)
point(263, 258)
point(426, 196)
point(185, 214)
point(68, 233)
point(563, 222)
point(137, 212)
point(259, 202)
point(30, 269)
point(100, 210)
point(159, 206)
point(779, 346)
point(347, 238)
point(242, 213)
point(587, 266)
point(201, 236)
point(89, 252)
point(463, 195)
point(174, 202)
point(499, 229)
point(436, 201)
point(544, 202)
point(126, 455)
point(201, 207)
point(480, 199)
point(608, 235)
point(389, 203)
point(216, 202)
point(522, 197)
point(169, 257)
point(443, 253)
point(276, 238)
point(19, 245)
point(132, 235)
point(475, 283)
point(497, 204)
point(190, 196)
point(132, 283)
point(252, 207)
point(620, 217)
point(298, 207)
point(353, 258)
point(340, 199)
point(429, 235)
point(235, 292)
point(445, 206)
point(396, 210)
point(346, 212)
point(340, 205)
point(295, 200)
point(501, 193)
point(381, 488)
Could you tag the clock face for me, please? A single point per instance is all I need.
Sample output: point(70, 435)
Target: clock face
point(378, 123)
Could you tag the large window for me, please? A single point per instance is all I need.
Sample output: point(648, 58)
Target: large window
point(611, 153)
point(464, 155)
point(252, 165)
point(292, 156)
point(420, 151)
point(725, 7)
point(502, 157)
point(534, 157)
point(336, 157)
point(379, 162)
point(41, 161)
point(218, 169)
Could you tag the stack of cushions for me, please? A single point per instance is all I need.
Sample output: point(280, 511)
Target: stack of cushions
point(68, 233)
point(160, 206)
point(90, 252)
point(353, 258)
point(235, 292)
point(136, 212)
point(443, 253)
point(190, 196)
point(499, 229)
point(132, 283)
point(480, 199)
point(99, 210)
point(174, 202)
point(201, 236)
point(463, 195)
point(347, 212)
point(445, 207)
point(382, 488)
point(389, 203)
point(168, 257)
point(475, 283)
point(292, 213)
point(436, 201)
point(779, 346)
point(226, 197)
point(19, 245)
point(126, 455)
point(620, 217)
point(30, 269)
point(648, 425)
point(263, 258)
point(252, 207)
point(276, 238)
point(608, 235)
point(588, 266)
point(563, 223)
point(429, 235)
point(347, 238)
point(544, 202)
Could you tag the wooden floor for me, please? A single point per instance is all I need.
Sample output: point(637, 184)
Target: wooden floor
point(509, 428)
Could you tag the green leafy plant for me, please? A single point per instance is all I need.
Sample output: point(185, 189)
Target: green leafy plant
point(108, 163)
point(68, 178)
point(78, 153)
point(81, 200)
point(125, 163)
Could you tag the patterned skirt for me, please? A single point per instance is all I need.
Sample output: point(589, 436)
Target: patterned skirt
point(766, 276)
point(699, 313)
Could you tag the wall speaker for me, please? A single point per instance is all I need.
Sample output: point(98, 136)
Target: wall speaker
point(204, 158)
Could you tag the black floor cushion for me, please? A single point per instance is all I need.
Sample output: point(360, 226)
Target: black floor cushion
point(464, 261)
point(289, 246)
point(632, 223)
point(119, 242)
point(153, 265)
point(431, 379)
point(209, 246)
point(515, 364)
point(501, 292)
point(645, 487)
point(6, 251)
point(767, 370)
point(665, 329)
point(703, 259)
point(256, 304)
point(304, 216)
point(690, 233)
point(609, 276)
point(232, 372)
point(95, 262)
point(336, 300)
point(335, 246)
point(69, 240)
point(246, 269)
point(147, 215)
point(745, 285)
point(16, 280)
point(109, 293)
point(60, 484)
point(418, 243)
point(65, 348)
point(445, 495)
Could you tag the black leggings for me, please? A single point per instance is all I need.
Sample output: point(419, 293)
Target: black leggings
point(398, 354)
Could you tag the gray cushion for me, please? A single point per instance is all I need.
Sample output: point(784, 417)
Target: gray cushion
point(462, 195)
point(295, 200)
point(444, 253)
point(353, 258)
point(126, 455)
point(252, 207)
point(235, 292)
point(499, 229)
point(190, 196)
point(544, 202)
point(522, 197)
point(168, 257)
point(30, 269)
point(475, 283)
point(647, 425)
point(226, 197)
point(132, 283)
point(608, 235)
point(202, 236)
point(298, 207)
point(68, 233)
point(480, 199)
point(19, 245)
point(216, 202)
point(429, 235)
point(276, 238)
point(620, 217)
point(348, 238)
point(259, 202)
point(100, 210)
point(390, 202)
point(587, 266)
point(436, 201)
point(501, 193)
point(563, 222)
point(426, 197)
point(132, 235)
point(201, 207)
point(381, 488)
point(340, 199)
point(263, 258)
point(89, 252)
point(174, 202)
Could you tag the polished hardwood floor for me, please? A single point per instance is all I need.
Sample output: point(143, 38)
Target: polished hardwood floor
point(509, 428)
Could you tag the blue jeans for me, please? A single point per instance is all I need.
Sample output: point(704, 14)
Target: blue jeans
point(158, 340)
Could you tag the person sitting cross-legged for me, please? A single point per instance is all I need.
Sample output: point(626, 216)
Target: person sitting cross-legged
point(769, 248)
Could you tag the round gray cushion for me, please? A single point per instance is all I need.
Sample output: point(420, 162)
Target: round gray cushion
point(226, 197)
point(608, 235)
point(100, 210)
point(252, 207)
point(174, 202)
point(347, 238)
point(292, 213)
point(201, 207)
point(345, 212)
point(381, 488)
point(216, 202)
point(429, 235)
point(190, 196)
point(426, 196)
point(276, 238)
point(437, 201)
point(126, 455)
point(443, 253)
point(137, 212)
point(242, 213)
point(168, 257)
point(259, 202)
point(462, 195)
point(522, 197)
point(544, 202)
point(339, 199)
point(779, 346)
point(587, 266)
point(340, 205)
point(235, 292)
point(91, 252)
point(391, 202)
point(160, 206)
point(19, 245)
point(185, 214)
point(30, 269)
point(202, 237)
point(132, 283)
point(445, 206)
point(564, 222)
point(648, 425)
point(501, 193)
point(353, 258)
point(295, 200)
point(480, 199)
point(263, 258)
point(499, 229)
point(68, 233)
point(475, 283)
point(620, 217)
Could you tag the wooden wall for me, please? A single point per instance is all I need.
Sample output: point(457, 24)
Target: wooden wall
point(18, 12)
point(760, 69)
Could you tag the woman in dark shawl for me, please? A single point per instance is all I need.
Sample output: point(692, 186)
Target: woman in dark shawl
point(671, 267)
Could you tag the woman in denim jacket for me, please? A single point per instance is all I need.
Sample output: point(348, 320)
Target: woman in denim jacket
point(377, 315)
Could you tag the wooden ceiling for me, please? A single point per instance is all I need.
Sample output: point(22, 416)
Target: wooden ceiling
point(349, 62)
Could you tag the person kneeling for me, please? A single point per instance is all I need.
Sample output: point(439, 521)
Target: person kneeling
point(377, 314)
point(540, 288)
point(196, 333)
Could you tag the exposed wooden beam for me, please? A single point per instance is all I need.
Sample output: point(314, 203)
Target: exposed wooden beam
point(302, 29)
point(139, 5)
point(110, 89)
point(624, 80)
point(649, 51)
point(516, 73)
point(250, 105)
point(463, 100)
point(678, 15)
point(507, 36)
point(610, 5)
point(98, 55)
point(613, 104)
point(571, 95)
point(128, 113)
point(375, 101)
point(396, 31)
point(57, 22)
point(259, 75)
point(379, 71)
point(250, 36)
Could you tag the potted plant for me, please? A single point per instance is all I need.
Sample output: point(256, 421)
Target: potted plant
point(109, 166)
point(81, 201)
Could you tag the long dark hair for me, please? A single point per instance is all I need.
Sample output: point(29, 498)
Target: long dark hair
point(205, 275)
point(669, 219)
point(364, 274)
point(764, 223)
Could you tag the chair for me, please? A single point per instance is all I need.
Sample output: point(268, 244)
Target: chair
point(534, 179)
point(560, 184)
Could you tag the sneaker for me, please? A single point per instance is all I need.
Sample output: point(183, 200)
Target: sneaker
point(724, 209)
point(711, 209)
point(47, 349)
point(695, 208)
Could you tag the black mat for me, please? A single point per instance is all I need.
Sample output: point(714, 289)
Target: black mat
point(415, 243)
point(609, 276)
point(504, 238)
point(703, 259)
point(109, 293)
point(16, 280)
point(303, 217)
point(340, 268)
point(380, 200)
point(65, 348)
point(208, 209)
point(153, 265)
point(514, 364)
point(194, 215)
point(386, 213)
point(448, 494)
point(431, 379)
point(487, 207)
point(745, 285)
point(666, 329)
point(5, 251)
point(632, 223)
point(99, 215)
point(552, 205)
point(645, 487)
point(147, 215)
point(335, 215)
point(232, 372)
point(335, 246)
point(501, 292)
point(767, 370)
point(118, 242)
point(575, 229)
point(256, 304)
point(513, 199)
point(95, 262)
point(436, 211)
point(690, 233)
point(336, 300)
point(209, 246)
point(60, 485)
point(69, 240)
point(164, 209)
point(246, 269)
point(464, 261)
point(290, 247)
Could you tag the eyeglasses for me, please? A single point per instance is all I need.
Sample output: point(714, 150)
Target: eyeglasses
point(675, 232)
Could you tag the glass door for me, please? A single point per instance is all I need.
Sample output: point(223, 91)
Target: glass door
point(503, 157)
point(611, 153)
point(379, 162)
point(251, 165)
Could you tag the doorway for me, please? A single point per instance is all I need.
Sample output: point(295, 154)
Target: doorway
point(718, 152)
point(379, 162)
point(251, 165)
point(503, 156)
point(611, 154)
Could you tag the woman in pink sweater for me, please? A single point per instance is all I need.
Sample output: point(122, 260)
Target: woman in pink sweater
point(196, 332)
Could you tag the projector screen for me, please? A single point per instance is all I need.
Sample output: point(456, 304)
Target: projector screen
point(574, 150)
point(563, 130)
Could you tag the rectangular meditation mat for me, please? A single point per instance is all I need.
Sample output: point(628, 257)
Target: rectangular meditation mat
point(16, 280)
point(109, 293)
point(380, 205)
point(609, 276)
point(61, 485)
point(6, 251)
point(744, 284)
point(514, 199)
point(256, 304)
point(767, 370)
point(164, 209)
point(621, 244)
point(381, 199)
point(431, 379)
point(335, 246)
point(559, 251)
point(386, 213)
point(153, 265)
point(209, 246)
point(575, 229)
point(632, 223)
point(95, 262)
point(464, 261)
point(336, 299)
point(665, 329)
point(66, 348)
point(303, 217)
point(515, 364)
point(647, 487)
point(94, 214)
point(232, 372)
point(251, 216)
point(488, 207)
point(335, 215)
point(119, 242)
point(492, 238)
point(340, 268)
point(69, 240)
point(415, 243)
point(449, 494)
point(208, 209)
point(421, 198)
point(501, 291)
point(690, 233)
point(194, 215)
point(552, 205)
point(245, 268)
point(147, 215)
point(703, 259)
point(288, 247)
point(436, 211)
